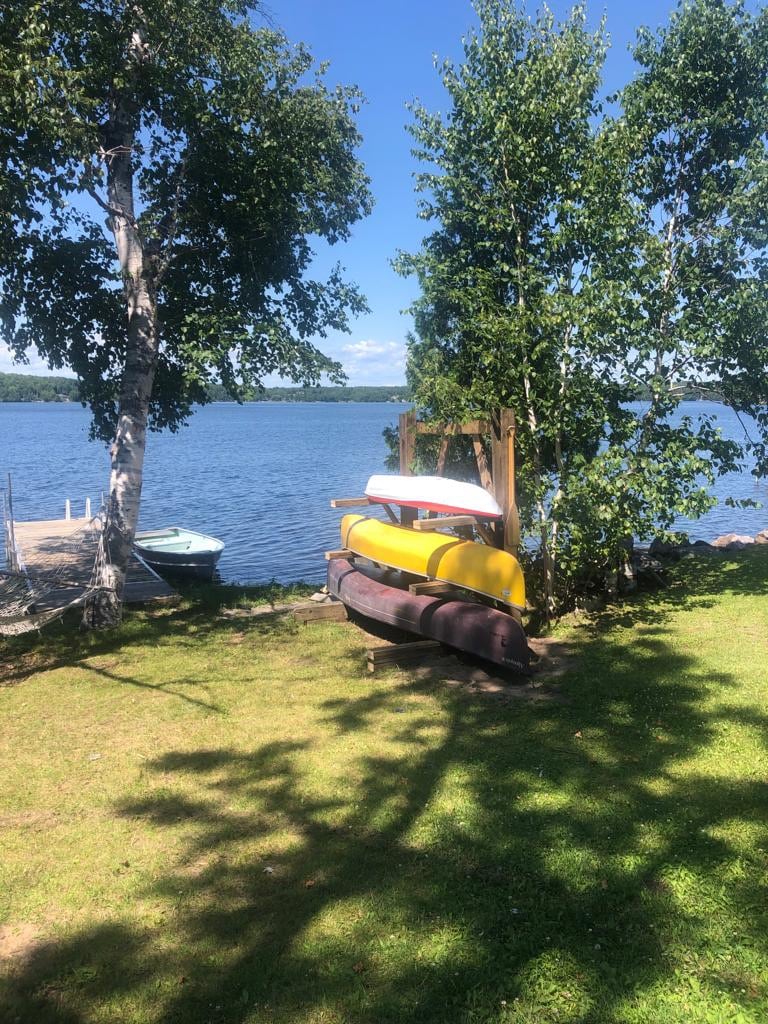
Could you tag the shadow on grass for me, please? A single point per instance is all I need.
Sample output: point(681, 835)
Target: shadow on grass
point(518, 864)
point(199, 615)
point(691, 584)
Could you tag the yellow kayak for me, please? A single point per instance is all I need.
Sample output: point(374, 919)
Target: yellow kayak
point(478, 567)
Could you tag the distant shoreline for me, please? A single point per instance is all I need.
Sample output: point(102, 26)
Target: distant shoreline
point(18, 387)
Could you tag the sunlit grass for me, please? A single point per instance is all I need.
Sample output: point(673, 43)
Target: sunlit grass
point(211, 818)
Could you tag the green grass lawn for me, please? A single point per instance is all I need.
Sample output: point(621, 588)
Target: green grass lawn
point(208, 819)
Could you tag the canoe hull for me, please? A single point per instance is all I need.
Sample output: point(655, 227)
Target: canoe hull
point(433, 494)
point(474, 628)
point(488, 571)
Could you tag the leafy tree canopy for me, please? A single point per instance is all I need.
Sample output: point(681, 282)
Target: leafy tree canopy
point(240, 156)
point(579, 259)
point(213, 155)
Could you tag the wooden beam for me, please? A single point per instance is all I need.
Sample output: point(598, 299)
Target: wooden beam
point(350, 502)
point(431, 587)
point(407, 432)
point(442, 456)
point(401, 654)
point(443, 522)
point(408, 427)
point(449, 429)
point(511, 515)
point(503, 468)
point(339, 553)
point(321, 611)
point(486, 480)
point(353, 502)
point(486, 535)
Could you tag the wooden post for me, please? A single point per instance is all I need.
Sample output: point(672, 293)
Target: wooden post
point(503, 468)
point(407, 441)
point(486, 480)
point(511, 515)
point(442, 457)
point(407, 455)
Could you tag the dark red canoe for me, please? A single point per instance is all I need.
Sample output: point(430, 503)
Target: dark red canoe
point(474, 628)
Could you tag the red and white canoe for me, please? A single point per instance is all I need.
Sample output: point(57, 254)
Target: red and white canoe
point(434, 494)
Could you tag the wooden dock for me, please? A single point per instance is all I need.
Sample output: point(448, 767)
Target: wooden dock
point(66, 545)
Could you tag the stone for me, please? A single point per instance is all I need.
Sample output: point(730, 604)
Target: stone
point(733, 541)
point(664, 549)
point(701, 547)
point(628, 578)
point(762, 537)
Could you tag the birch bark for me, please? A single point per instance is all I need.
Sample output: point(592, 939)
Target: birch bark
point(139, 273)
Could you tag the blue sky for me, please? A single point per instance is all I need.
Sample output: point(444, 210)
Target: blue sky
point(387, 50)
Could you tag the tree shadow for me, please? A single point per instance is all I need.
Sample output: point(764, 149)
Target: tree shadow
point(690, 584)
point(561, 855)
point(63, 644)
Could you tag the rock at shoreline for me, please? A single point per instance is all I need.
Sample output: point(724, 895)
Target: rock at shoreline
point(762, 537)
point(663, 548)
point(733, 541)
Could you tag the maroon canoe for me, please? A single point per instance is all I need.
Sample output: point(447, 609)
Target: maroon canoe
point(474, 628)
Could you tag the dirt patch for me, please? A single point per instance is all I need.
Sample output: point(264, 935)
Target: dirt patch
point(24, 666)
point(18, 941)
point(460, 672)
point(258, 612)
point(551, 658)
point(37, 821)
point(486, 685)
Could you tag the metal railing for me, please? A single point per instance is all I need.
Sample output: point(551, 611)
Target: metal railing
point(12, 555)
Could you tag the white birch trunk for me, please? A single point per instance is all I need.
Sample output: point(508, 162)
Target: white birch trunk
point(139, 284)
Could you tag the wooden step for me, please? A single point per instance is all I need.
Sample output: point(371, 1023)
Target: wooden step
point(402, 654)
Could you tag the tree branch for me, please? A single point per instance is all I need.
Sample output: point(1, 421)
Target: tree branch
point(113, 211)
point(169, 223)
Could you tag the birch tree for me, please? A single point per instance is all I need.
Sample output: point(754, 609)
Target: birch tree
point(165, 168)
point(580, 261)
point(504, 312)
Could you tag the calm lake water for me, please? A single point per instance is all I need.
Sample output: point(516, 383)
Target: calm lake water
point(259, 476)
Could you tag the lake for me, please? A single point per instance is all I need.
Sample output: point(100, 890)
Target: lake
point(258, 476)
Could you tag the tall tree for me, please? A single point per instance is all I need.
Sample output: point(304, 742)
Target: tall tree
point(545, 285)
point(694, 127)
point(165, 167)
point(504, 314)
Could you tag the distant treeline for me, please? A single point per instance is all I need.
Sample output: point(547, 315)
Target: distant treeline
point(691, 393)
point(18, 387)
point(321, 394)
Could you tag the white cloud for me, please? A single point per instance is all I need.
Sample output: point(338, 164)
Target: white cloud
point(374, 362)
point(35, 366)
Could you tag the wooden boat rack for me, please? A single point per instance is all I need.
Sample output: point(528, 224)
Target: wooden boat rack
point(498, 479)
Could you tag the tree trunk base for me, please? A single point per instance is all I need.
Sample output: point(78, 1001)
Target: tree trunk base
point(104, 609)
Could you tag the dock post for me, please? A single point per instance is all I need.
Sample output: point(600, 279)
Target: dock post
point(87, 508)
point(67, 509)
point(11, 550)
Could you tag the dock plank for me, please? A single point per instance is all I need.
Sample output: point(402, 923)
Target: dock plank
point(61, 544)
